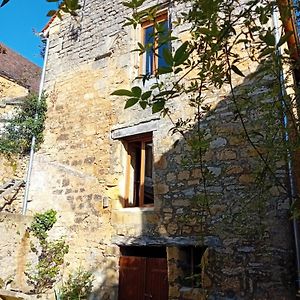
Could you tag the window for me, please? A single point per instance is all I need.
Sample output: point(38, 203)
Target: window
point(190, 265)
point(139, 182)
point(154, 40)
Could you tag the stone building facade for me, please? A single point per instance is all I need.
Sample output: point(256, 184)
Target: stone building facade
point(18, 78)
point(82, 170)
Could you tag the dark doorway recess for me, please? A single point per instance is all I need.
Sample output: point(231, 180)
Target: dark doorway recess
point(154, 252)
point(143, 273)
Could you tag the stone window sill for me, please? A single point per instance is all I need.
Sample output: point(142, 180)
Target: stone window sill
point(135, 209)
point(186, 289)
point(193, 293)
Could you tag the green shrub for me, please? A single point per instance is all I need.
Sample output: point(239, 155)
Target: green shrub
point(27, 121)
point(78, 286)
point(50, 254)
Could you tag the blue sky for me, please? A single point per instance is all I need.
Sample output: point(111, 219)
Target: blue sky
point(18, 20)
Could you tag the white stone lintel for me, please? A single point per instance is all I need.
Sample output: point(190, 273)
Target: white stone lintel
point(120, 133)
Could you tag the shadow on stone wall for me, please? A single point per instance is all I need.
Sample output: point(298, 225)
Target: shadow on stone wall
point(231, 203)
point(106, 289)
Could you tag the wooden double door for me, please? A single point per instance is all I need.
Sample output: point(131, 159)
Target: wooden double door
point(143, 278)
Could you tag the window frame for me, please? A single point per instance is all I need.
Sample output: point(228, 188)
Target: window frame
point(161, 16)
point(143, 139)
point(190, 264)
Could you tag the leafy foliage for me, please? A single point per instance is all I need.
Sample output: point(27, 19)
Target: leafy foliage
point(78, 286)
point(42, 223)
point(26, 122)
point(50, 254)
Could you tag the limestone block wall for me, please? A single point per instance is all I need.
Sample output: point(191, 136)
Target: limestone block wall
point(15, 249)
point(79, 171)
point(13, 167)
point(10, 89)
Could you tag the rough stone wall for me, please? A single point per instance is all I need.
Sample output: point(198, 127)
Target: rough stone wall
point(72, 172)
point(14, 242)
point(11, 167)
point(80, 167)
point(15, 249)
point(10, 89)
point(245, 227)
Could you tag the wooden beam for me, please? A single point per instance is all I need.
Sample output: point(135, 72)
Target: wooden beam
point(142, 174)
point(127, 176)
point(288, 21)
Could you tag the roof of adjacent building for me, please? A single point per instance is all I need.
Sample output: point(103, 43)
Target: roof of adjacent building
point(19, 69)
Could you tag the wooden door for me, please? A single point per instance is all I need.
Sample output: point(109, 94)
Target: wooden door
point(143, 278)
point(156, 285)
point(132, 281)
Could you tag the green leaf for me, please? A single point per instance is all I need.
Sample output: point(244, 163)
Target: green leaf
point(245, 41)
point(167, 55)
point(269, 38)
point(130, 22)
point(128, 4)
point(58, 14)
point(263, 17)
point(236, 70)
point(146, 95)
point(143, 104)
point(131, 101)
point(122, 92)
point(72, 4)
point(145, 77)
point(51, 13)
point(204, 30)
point(164, 70)
point(180, 52)
point(166, 93)
point(266, 52)
point(141, 48)
point(64, 8)
point(182, 59)
point(158, 106)
point(284, 38)
point(136, 91)
point(178, 70)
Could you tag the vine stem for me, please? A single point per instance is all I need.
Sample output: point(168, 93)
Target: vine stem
point(240, 116)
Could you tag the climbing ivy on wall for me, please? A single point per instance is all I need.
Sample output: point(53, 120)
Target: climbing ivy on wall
point(27, 121)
